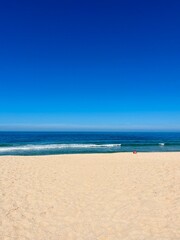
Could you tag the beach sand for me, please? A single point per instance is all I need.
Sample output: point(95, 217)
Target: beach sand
point(119, 196)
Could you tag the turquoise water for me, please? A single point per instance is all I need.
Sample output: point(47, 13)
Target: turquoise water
point(42, 143)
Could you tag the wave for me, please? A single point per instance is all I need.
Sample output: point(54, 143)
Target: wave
point(4, 149)
point(54, 147)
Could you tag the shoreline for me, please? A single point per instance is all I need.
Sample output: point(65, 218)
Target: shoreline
point(87, 154)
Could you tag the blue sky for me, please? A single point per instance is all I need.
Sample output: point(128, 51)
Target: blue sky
point(89, 65)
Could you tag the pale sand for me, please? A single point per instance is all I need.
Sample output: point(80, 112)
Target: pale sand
point(97, 196)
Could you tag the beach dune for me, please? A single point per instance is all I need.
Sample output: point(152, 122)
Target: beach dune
point(120, 196)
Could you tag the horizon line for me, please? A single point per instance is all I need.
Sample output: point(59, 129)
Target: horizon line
point(94, 131)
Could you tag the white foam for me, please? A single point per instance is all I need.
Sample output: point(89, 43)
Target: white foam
point(161, 144)
point(54, 146)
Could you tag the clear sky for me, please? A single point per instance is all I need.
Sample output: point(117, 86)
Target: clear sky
point(89, 65)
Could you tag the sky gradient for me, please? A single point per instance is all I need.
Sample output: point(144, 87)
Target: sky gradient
point(90, 65)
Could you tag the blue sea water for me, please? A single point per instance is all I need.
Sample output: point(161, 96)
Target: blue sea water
point(43, 143)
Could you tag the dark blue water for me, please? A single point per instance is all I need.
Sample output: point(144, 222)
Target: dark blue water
point(42, 143)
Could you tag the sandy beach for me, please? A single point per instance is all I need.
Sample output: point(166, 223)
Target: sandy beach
point(90, 197)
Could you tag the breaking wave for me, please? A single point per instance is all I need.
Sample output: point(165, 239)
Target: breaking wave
point(54, 147)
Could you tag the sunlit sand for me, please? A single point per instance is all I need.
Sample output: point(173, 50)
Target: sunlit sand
point(90, 197)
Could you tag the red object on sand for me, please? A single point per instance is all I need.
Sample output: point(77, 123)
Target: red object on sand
point(134, 152)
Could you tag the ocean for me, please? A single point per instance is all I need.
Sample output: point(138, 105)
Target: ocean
point(43, 143)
